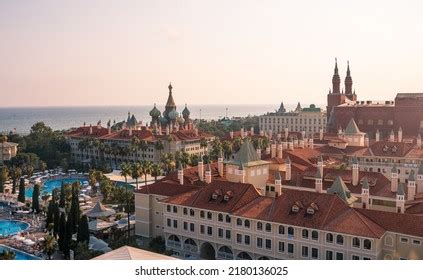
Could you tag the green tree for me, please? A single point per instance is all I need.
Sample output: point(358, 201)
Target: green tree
point(83, 230)
point(125, 172)
point(68, 236)
point(62, 201)
point(74, 211)
point(146, 169)
point(4, 174)
point(36, 198)
point(159, 147)
point(7, 255)
point(16, 174)
point(49, 245)
point(156, 170)
point(62, 231)
point(136, 172)
point(56, 219)
point(21, 195)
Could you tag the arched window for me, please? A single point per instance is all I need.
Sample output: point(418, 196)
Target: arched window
point(191, 212)
point(202, 214)
point(356, 242)
point(238, 222)
point(329, 237)
point(339, 240)
point(209, 215)
point(185, 211)
point(247, 223)
point(314, 235)
point(175, 209)
point(268, 227)
point(220, 217)
point(367, 244)
point(259, 226)
point(290, 232)
point(281, 230)
point(168, 208)
point(305, 233)
point(228, 219)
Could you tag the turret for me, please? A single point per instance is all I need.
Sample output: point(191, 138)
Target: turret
point(278, 183)
point(365, 194)
point(336, 80)
point(318, 181)
point(207, 175)
point(400, 199)
point(320, 164)
point(288, 169)
point(348, 82)
point(355, 171)
point(180, 174)
point(411, 186)
point(394, 178)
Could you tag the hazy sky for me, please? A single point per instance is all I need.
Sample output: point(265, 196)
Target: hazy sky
point(249, 52)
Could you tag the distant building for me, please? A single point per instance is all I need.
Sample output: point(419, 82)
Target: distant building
point(310, 120)
point(8, 150)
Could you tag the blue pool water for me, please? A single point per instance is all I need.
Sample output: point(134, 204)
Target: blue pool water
point(12, 227)
point(19, 255)
point(50, 185)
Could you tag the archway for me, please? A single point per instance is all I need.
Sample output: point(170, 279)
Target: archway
point(207, 251)
point(174, 241)
point(225, 253)
point(190, 245)
point(244, 256)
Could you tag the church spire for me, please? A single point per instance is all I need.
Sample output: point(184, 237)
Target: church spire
point(336, 81)
point(348, 82)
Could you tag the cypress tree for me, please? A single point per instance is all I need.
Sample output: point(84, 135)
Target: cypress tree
point(36, 199)
point(21, 196)
point(62, 201)
point(68, 236)
point(62, 231)
point(74, 210)
point(50, 213)
point(83, 230)
point(56, 219)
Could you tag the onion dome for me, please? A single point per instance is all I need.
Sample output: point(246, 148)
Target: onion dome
point(186, 112)
point(163, 121)
point(173, 114)
point(155, 113)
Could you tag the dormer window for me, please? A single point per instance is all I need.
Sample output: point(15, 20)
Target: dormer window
point(310, 211)
point(295, 208)
point(214, 196)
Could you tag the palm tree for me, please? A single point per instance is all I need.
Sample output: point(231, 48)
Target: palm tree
point(156, 171)
point(169, 141)
point(16, 174)
point(135, 143)
point(159, 146)
point(114, 151)
point(146, 169)
point(49, 245)
point(168, 162)
point(136, 172)
point(185, 159)
point(227, 148)
point(203, 144)
point(125, 171)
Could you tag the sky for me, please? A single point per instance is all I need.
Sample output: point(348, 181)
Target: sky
point(99, 52)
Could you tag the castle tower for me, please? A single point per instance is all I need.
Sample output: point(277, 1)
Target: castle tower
point(170, 104)
point(288, 169)
point(335, 97)
point(336, 80)
point(278, 183)
point(394, 179)
point(180, 174)
point(348, 85)
point(318, 180)
point(400, 199)
point(411, 186)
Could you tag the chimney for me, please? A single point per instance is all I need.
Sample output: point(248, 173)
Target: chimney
point(320, 164)
point(273, 150)
point(288, 169)
point(400, 134)
point(208, 176)
point(278, 184)
point(311, 143)
point(242, 132)
point(419, 141)
point(201, 170)
point(252, 131)
point(286, 132)
point(242, 173)
point(91, 129)
point(181, 174)
point(285, 144)
point(392, 136)
point(366, 140)
point(340, 131)
point(231, 134)
point(394, 179)
point(99, 125)
point(377, 136)
point(196, 131)
point(279, 150)
point(400, 199)
point(220, 164)
point(291, 145)
point(258, 151)
point(321, 134)
point(355, 171)
point(411, 186)
point(318, 181)
point(365, 195)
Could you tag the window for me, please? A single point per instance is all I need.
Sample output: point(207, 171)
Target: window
point(209, 230)
point(290, 232)
point(247, 240)
point(247, 223)
point(220, 232)
point(239, 238)
point(268, 244)
point(290, 248)
point(202, 229)
point(175, 223)
point(314, 235)
point(355, 258)
point(175, 209)
point(281, 246)
point(220, 217)
point(404, 240)
point(259, 226)
point(367, 244)
point(416, 242)
point(314, 253)
point(305, 234)
point(356, 242)
point(268, 227)
point(202, 214)
point(366, 258)
point(339, 256)
point(259, 242)
point(209, 215)
point(339, 240)
point(238, 222)
point(228, 219)
point(228, 234)
point(192, 227)
point(185, 226)
point(168, 208)
point(169, 222)
point(185, 211)
point(304, 251)
point(191, 212)
point(281, 230)
point(329, 255)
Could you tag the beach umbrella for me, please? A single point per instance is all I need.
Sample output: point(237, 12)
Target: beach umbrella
point(100, 211)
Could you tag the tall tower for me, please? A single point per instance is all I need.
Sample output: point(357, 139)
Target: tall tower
point(348, 85)
point(335, 98)
point(336, 80)
point(170, 104)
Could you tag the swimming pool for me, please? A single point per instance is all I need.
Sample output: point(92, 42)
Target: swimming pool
point(12, 227)
point(50, 185)
point(19, 255)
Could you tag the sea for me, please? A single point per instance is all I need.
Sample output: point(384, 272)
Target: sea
point(20, 120)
